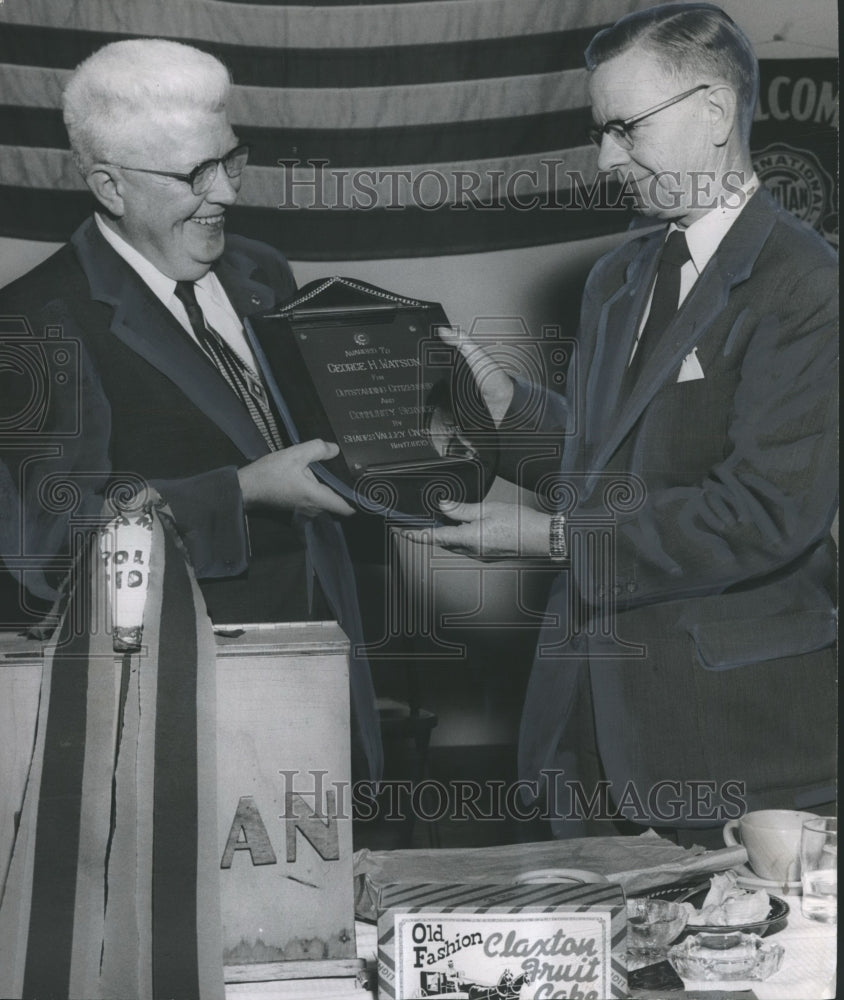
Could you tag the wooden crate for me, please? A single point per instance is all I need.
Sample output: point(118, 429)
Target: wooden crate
point(283, 792)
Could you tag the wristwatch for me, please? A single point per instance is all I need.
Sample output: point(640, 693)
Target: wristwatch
point(558, 548)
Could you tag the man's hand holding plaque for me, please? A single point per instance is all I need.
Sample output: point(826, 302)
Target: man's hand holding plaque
point(494, 385)
point(351, 363)
point(284, 479)
point(490, 530)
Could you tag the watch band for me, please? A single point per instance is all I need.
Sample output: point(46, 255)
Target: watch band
point(558, 548)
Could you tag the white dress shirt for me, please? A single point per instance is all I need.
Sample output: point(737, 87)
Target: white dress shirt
point(210, 294)
point(703, 238)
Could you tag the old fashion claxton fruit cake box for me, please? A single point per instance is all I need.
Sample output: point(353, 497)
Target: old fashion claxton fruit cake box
point(501, 941)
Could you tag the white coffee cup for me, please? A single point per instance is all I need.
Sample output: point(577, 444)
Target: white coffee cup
point(771, 838)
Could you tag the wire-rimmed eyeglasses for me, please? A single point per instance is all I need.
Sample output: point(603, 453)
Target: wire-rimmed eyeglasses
point(201, 178)
point(619, 129)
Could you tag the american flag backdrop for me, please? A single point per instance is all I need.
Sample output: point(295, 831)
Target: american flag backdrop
point(378, 130)
point(114, 859)
point(451, 123)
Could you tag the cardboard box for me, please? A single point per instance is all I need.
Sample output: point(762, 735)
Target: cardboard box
point(283, 801)
point(502, 942)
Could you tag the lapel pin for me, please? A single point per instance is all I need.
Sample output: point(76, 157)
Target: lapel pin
point(256, 300)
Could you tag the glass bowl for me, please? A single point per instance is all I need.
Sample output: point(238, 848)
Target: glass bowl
point(725, 957)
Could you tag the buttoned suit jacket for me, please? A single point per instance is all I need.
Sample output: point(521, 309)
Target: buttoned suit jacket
point(140, 403)
point(699, 598)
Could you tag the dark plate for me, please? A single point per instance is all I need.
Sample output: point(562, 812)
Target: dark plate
point(775, 921)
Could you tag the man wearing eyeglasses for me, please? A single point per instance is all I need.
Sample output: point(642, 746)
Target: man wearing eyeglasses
point(154, 291)
point(689, 665)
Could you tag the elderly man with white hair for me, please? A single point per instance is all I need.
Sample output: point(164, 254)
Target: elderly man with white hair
point(166, 391)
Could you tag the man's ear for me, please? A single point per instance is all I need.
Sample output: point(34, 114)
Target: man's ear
point(107, 187)
point(722, 108)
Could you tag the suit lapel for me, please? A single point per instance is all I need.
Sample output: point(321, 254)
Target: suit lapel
point(146, 326)
point(247, 296)
point(618, 323)
point(731, 264)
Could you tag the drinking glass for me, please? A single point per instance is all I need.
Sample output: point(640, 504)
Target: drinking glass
point(652, 924)
point(819, 868)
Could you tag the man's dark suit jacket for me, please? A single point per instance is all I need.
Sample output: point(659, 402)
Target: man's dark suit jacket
point(141, 403)
point(722, 565)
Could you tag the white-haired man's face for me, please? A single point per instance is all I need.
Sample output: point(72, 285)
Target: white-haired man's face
point(180, 232)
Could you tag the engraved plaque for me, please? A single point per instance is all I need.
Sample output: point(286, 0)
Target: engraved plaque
point(351, 363)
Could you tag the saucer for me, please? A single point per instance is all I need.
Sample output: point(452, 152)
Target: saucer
point(747, 879)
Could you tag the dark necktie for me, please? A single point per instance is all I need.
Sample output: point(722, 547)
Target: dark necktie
point(244, 382)
point(665, 300)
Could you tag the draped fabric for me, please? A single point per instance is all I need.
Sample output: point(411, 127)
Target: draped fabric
point(377, 129)
point(112, 890)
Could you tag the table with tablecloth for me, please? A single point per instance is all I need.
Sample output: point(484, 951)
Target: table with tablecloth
point(639, 864)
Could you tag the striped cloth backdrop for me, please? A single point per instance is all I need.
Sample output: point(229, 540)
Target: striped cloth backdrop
point(113, 886)
point(416, 112)
point(397, 129)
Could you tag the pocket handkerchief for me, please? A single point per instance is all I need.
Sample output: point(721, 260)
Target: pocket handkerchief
point(690, 368)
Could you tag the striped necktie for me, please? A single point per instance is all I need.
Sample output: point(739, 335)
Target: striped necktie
point(243, 381)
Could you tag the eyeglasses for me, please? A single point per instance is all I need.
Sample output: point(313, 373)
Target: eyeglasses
point(619, 129)
point(201, 178)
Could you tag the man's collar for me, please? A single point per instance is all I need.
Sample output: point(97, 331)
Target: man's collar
point(148, 272)
point(161, 284)
point(704, 236)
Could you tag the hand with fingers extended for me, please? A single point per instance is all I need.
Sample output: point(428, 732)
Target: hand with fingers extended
point(491, 530)
point(494, 384)
point(284, 479)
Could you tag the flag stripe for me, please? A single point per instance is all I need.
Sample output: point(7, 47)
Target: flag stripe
point(356, 25)
point(33, 126)
point(175, 835)
point(385, 147)
point(97, 811)
point(384, 66)
point(307, 3)
point(40, 168)
point(319, 184)
point(428, 103)
point(410, 105)
point(110, 835)
point(209, 921)
point(57, 830)
point(329, 234)
point(341, 108)
point(467, 140)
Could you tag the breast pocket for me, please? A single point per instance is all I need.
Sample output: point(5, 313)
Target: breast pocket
point(684, 430)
